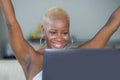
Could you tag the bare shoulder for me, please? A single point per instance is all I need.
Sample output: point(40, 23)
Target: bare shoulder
point(33, 64)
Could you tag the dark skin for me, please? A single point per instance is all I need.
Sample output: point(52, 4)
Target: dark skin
point(56, 32)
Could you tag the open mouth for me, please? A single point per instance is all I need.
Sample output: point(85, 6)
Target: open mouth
point(56, 45)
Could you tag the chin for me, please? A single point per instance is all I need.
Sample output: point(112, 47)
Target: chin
point(57, 47)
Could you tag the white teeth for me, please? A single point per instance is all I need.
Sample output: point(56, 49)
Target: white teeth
point(57, 45)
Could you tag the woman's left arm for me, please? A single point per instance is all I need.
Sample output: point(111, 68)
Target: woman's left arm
point(103, 36)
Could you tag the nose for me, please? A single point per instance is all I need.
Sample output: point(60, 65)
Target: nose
point(59, 37)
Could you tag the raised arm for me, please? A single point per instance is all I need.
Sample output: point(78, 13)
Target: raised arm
point(18, 43)
point(102, 37)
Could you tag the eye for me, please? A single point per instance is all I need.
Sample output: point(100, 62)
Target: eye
point(52, 32)
point(65, 33)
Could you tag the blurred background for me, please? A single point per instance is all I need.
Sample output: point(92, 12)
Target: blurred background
point(86, 19)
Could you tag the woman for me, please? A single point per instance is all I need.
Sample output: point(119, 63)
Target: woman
point(56, 33)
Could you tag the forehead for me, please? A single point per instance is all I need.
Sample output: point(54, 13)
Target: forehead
point(56, 23)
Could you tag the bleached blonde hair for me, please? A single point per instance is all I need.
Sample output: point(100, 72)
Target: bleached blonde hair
point(56, 13)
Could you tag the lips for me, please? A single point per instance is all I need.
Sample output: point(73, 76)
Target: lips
point(56, 45)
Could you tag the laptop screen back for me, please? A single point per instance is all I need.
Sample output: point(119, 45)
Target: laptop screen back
point(81, 64)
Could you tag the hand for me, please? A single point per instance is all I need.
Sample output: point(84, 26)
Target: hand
point(116, 16)
point(114, 21)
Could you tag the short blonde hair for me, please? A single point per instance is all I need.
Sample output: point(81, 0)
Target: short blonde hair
point(56, 13)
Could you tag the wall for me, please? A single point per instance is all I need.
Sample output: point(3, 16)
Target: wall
point(3, 35)
point(87, 17)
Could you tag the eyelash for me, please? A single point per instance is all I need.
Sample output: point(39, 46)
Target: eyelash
point(52, 32)
point(65, 33)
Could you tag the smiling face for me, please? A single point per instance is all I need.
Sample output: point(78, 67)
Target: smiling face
point(56, 33)
point(56, 29)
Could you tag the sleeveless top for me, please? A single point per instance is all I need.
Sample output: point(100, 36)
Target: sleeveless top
point(38, 76)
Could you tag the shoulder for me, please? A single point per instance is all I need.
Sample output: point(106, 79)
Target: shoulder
point(33, 63)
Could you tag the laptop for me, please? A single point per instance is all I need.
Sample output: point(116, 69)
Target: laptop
point(81, 64)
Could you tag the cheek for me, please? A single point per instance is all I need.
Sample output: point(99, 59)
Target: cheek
point(49, 38)
point(67, 38)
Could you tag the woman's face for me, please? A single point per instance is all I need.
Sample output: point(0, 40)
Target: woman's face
point(56, 33)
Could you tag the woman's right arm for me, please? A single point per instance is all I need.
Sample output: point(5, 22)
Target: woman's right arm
point(19, 45)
